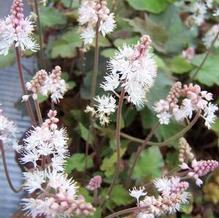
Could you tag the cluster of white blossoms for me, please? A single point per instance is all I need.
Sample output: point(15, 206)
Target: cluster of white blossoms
point(45, 143)
point(173, 190)
point(8, 132)
point(131, 71)
point(183, 101)
point(103, 108)
point(47, 84)
point(172, 195)
point(45, 152)
point(199, 10)
point(211, 35)
point(91, 14)
point(15, 30)
point(134, 70)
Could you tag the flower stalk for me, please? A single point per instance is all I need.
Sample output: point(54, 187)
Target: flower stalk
point(22, 83)
point(15, 190)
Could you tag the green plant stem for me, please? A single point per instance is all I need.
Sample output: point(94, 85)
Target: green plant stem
point(122, 212)
point(38, 111)
point(172, 138)
point(39, 29)
point(138, 153)
point(6, 170)
point(205, 58)
point(118, 143)
point(22, 83)
point(96, 64)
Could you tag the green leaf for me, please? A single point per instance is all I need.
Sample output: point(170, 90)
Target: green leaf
point(147, 26)
point(179, 65)
point(166, 131)
point(108, 163)
point(108, 53)
point(65, 46)
point(76, 162)
point(51, 17)
point(178, 35)
point(209, 73)
point(84, 133)
point(160, 89)
point(215, 126)
point(129, 41)
point(7, 60)
point(41, 98)
point(154, 6)
point(120, 196)
point(71, 85)
point(149, 164)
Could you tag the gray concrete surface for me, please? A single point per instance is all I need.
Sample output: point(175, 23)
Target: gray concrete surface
point(10, 92)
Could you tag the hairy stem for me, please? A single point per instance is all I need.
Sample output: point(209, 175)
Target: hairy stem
point(122, 212)
point(38, 111)
point(39, 29)
point(138, 153)
point(22, 83)
point(96, 64)
point(118, 142)
point(6, 170)
point(172, 138)
point(205, 58)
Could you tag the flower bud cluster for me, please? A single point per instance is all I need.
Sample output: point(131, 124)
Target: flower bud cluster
point(185, 153)
point(47, 84)
point(93, 13)
point(15, 30)
point(94, 183)
point(183, 101)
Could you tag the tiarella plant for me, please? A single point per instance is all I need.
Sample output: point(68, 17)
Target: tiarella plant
point(92, 148)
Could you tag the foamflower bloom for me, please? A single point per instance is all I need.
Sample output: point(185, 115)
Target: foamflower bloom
point(45, 84)
point(91, 13)
point(134, 70)
point(103, 108)
point(183, 101)
point(173, 194)
point(16, 30)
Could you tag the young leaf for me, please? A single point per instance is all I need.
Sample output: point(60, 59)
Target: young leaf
point(149, 165)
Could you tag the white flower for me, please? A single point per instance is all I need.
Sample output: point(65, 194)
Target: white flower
point(8, 132)
point(137, 193)
point(216, 12)
point(209, 3)
point(164, 117)
point(145, 215)
point(105, 104)
point(163, 185)
point(136, 69)
point(87, 13)
point(210, 36)
point(17, 31)
point(199, 11)
point(209, 114)
point(111, 82)
point(37, 207)
point(34, 180)
point(88, 35)
point(107, 25)
point(42, 141)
